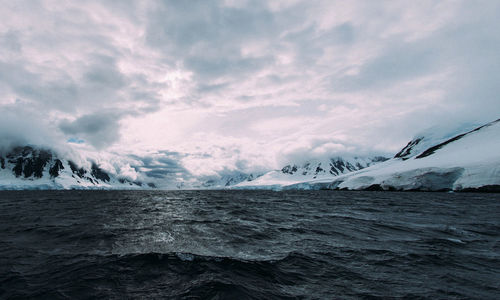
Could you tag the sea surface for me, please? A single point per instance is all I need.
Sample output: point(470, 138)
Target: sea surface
point(248, 245)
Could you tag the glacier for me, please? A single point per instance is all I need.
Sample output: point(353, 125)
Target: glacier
point(466, 161)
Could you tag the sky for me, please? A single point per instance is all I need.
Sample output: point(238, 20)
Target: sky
point(210, 85)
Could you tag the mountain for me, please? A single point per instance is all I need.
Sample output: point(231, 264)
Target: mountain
point(468, 161)
point(326, 169)
point(226, 179)
point(31, 167)
point(28, 167)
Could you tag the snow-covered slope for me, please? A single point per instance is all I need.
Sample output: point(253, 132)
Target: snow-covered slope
point(310, 170)
point(225, 179)
point(29, 167)
point(467, 161)
point(430, 137)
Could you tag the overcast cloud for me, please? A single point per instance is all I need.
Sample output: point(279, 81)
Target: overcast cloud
point(244, 84)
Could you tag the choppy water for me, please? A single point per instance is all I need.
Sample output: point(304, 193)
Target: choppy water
point(249, 244)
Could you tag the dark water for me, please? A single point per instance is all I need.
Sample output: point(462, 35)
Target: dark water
point(256, 245)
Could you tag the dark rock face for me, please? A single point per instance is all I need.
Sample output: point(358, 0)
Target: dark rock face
point(98, 173)
point(80, 172)
point(40, 161)
point(56, 168)
point(2, 162)
point(28, 161)
point(406, 151)
point(28, 167)
point(18, 168)
point(336, 166)
point(289, 169)
point(339, 166)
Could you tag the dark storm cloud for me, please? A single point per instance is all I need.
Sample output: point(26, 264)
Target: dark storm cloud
point(104, 74)
point(100, 130)
point(164, 164)
point(180, 25)
point(207, 36)
point(100, 82)
point(32, 129)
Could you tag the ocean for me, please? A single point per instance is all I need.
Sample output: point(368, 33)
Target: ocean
point(248, 245)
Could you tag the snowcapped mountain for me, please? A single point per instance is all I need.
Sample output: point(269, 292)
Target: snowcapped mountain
point(31, 167)
point(28, 167)
point(467, 161)
point(334, 166)
point(226, 179)
point(310, 170)
point(463, 160)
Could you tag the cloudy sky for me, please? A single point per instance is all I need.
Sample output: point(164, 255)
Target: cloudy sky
point(244, 84)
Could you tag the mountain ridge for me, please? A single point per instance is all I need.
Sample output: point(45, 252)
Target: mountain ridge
point(41, 168)
point(455, 161)
point(468, 161)
point(312, 169)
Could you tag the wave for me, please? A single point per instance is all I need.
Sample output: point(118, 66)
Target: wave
point(192, 257)
point(174, 274)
